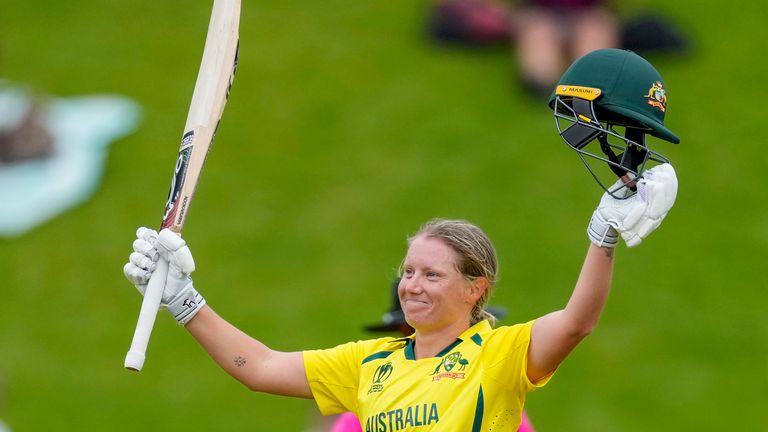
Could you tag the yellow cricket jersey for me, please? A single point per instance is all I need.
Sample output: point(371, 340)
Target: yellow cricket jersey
point(478, 383)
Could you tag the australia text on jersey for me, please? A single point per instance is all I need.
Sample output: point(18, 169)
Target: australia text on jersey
point(402, 418)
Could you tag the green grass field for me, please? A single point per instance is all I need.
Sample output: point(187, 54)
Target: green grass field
point(345, 130)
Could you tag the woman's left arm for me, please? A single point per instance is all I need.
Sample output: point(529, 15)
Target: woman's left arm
point(556, 334)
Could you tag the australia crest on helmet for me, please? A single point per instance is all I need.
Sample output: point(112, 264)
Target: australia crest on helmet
point(657, 96)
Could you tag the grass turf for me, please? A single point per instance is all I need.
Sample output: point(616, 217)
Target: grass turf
point(346, 129)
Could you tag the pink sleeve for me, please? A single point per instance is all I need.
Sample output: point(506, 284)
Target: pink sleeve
point(347, 422)
point(525, 424)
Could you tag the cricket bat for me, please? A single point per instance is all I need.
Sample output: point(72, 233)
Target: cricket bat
point(214, 80)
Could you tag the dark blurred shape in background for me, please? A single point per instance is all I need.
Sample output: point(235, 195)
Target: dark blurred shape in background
point(653, 33)
point(27, 139)
point(470, 22)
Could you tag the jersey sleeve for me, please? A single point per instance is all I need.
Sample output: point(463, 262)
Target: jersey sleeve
point(333, 376)
point(507, 359)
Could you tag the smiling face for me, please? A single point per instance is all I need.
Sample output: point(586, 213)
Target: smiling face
point(433, 293)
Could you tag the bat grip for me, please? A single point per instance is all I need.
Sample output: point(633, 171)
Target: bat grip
point(134, 360)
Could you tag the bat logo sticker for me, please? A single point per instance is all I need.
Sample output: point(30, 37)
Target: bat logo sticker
point(177, 182)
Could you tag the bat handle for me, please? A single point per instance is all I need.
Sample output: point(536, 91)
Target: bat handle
point(134, 360)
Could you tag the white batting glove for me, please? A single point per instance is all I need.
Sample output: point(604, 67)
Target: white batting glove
point(179, 295)
point(638, 216)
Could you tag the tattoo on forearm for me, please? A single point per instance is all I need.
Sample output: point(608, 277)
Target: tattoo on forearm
point(239, 361)
point(608, 252)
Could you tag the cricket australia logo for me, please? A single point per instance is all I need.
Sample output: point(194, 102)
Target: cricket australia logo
point(657, 96)
point(379, 376)
point(447, 364)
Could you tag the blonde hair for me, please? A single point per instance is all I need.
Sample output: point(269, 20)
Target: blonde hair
point(477, 257)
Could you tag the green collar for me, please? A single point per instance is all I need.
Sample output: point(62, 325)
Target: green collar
point(472, 333)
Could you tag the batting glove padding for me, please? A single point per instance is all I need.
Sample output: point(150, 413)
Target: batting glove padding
point(179, 295)
point(638, 216)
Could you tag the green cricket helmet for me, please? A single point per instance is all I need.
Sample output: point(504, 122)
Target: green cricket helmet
point(602, 94)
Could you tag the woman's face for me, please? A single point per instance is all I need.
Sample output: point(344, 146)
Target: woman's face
point(433, 293)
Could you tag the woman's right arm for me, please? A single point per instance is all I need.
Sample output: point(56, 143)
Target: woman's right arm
point(246, 359)
point(249, 361)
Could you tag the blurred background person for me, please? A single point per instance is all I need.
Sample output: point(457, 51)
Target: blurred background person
point(546, 35)
point(53, 150)
point(550, 34)
point(394, 322)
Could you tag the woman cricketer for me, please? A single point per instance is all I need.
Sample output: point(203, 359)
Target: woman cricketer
point(456, 372)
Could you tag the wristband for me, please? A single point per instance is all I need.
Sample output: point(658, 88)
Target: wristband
point(600, 232)
point(186, 304)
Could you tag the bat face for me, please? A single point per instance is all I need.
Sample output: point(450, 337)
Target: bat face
point(214, 82)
